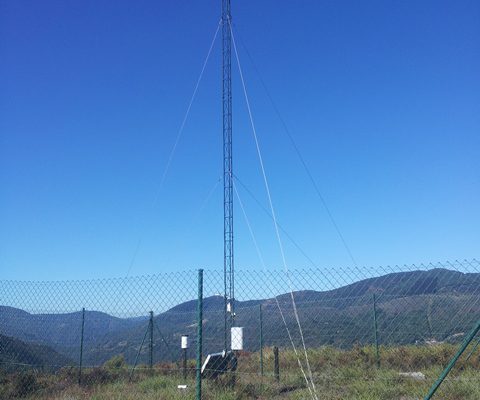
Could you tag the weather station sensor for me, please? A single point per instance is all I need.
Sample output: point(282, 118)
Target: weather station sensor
point(236, 338)
point(184, 346)
point(184, 342)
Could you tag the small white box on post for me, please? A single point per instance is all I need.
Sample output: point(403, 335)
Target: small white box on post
point(184, 342)
point(237, 338)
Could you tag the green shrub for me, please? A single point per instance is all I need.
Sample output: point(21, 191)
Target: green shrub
point(116, 363)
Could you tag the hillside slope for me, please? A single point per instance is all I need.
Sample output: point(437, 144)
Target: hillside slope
point(14, 353)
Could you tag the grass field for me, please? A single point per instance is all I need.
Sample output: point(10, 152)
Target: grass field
point(337, 374)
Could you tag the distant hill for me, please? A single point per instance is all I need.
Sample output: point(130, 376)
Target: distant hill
point(62, 328)
point(61, 331)
point(414, 283)
point(14, 354)
point(212, 303)
point(413, 307)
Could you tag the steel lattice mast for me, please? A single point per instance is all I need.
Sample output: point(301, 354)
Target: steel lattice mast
point(228, 260)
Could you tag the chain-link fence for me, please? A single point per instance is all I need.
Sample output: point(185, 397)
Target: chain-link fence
point(355, 333)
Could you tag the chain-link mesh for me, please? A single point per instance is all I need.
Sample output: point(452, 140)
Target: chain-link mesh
point(380, 333)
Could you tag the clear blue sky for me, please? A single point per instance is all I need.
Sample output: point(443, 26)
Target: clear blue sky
point(382, 98)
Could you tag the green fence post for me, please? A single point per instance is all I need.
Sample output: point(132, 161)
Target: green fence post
point(375, 331)
point(199, 336)
point(276, 364)
point(261, 340)
point(473, 350)
point(452, 362)
point(151, 341)
point(80, 364)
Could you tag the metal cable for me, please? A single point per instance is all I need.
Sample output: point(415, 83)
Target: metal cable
point(273, 212)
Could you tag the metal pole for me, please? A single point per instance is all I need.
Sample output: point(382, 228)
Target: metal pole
point(375, 331)
point(225, 317)
point(184, 364)
point(151, 340)
point(81, 348)
point(452, 362)
point(276, 367)
point(233, 368)
point(199, 336)
point(228, 264)
point(473, 350)
point(261, 340)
